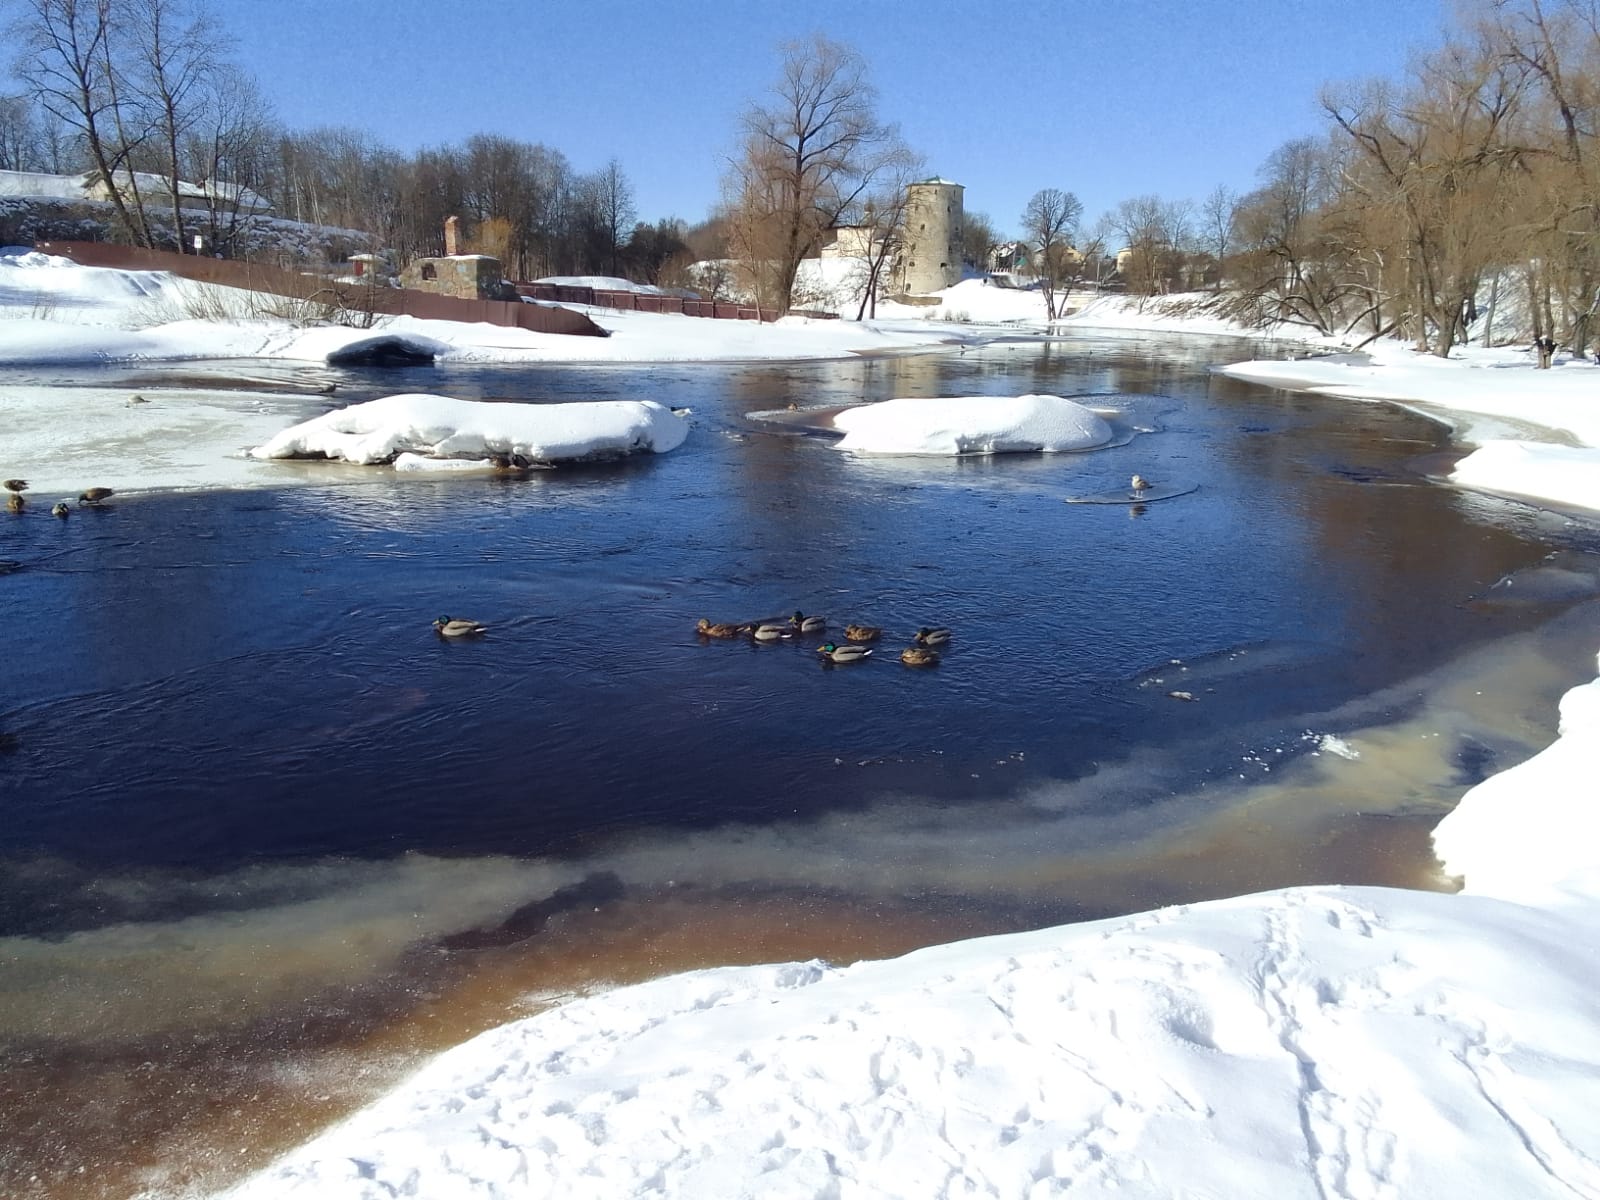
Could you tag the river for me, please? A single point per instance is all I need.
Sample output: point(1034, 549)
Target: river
point(265, 839)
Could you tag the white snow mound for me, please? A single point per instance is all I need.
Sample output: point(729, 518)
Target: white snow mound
point(1528, 834)
point(1559, 474)
point(442, 427)
point(971, 425)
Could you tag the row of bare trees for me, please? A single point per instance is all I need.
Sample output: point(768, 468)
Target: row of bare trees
point(519, 201)
point(144, 94)
point(1475, 179)
point(1472, 182)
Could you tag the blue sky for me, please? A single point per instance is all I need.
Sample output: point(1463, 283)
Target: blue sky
point(1108, 99)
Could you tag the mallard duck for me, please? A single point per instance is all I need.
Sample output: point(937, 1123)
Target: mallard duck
point(60, 509)
point(919, 656)
point(705, 628)
point(15, 502)
point(1140, 485)
point(805, 624)
point(95, 494)
point(454, 627)
point(843, 654)
point(771, 633)
point(16, 485)
point(935, 636)
point(862, 633)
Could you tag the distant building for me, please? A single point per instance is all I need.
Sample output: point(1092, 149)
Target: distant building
point(930, 258)
point(1010, 263)
point(848, 241)
point(465, 276)
point(155, 190)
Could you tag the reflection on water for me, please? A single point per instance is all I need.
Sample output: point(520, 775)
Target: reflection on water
point(264, 835)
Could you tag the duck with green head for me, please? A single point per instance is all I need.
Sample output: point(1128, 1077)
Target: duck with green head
point(456, 627)
point(843, 654)
point(805, 624)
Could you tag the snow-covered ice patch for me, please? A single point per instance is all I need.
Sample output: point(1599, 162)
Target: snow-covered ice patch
point(444, 428)
point(1529, 834)
point(1568, 475)
point(972, 425)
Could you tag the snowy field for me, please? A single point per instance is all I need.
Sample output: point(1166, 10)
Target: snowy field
point(1314, 1042)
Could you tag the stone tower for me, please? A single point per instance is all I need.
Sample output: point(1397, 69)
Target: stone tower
point(931, 256)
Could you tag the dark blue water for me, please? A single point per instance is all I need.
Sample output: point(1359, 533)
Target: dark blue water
point(208, 680)
point(232, 748)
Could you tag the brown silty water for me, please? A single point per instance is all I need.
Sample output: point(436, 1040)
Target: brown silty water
point(198, 1071)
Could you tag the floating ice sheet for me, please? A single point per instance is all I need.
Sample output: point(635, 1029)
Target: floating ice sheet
point(1129, 496)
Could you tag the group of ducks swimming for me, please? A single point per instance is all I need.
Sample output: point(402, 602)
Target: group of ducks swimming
point(920, 653)
point(16, 502)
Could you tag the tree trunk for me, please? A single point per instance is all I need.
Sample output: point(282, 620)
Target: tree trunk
point(1488, 316)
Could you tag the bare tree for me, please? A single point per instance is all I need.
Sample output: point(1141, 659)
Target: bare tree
point(883, 221)
point(1559, 45)
point(65, 58)
point(978, 238)
point(1097, 264)
point(1440, 158)
point(1153, 232)
point(1218, 217)
point(657, 254)
point(19, 136)
point(614, 208)
point(1287, 264)
point(176, 51)
point(1049, 222)
point(230, 153)
point(807, 157)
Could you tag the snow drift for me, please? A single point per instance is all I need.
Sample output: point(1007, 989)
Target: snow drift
point(419, 425)
point(971, 425)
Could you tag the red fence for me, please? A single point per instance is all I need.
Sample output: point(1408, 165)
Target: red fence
point(318, 289)
point(637, 302)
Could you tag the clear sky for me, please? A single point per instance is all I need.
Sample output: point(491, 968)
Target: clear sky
point(1105, 98)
